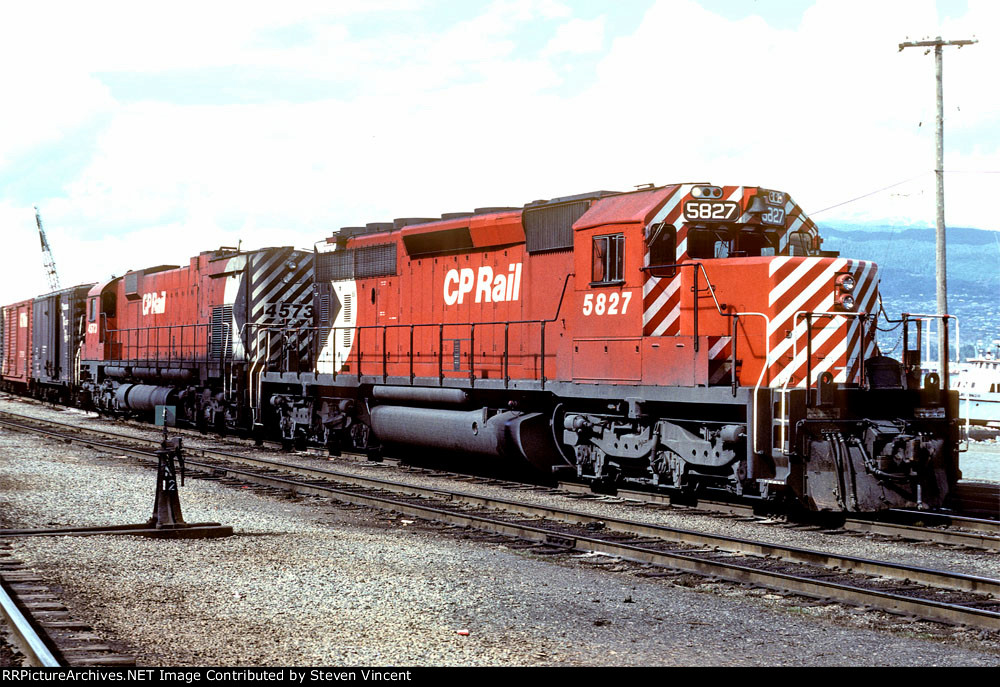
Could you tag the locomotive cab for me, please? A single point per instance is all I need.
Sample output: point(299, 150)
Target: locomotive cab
point(737, 296)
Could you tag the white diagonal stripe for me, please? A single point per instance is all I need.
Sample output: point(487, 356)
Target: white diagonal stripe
point(660, 301)
point(807, 293)
point(667, 321)
point(799, 358)
point(718, 347)
point(791, 280)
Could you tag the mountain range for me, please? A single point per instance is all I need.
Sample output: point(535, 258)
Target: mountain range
point(906, 260)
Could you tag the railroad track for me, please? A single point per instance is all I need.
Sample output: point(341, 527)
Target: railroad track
point(929, 594)
point(940, 527)
point(41, 628)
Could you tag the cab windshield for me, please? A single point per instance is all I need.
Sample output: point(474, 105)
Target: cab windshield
point(724, 242)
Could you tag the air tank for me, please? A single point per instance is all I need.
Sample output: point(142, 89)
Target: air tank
point(510, 435)
point(143, 397)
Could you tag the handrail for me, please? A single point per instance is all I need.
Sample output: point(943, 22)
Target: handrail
point(765, 370)
point(787, 373)
point(114, 338)
point(723, 311)
point(281, 328)
point(809, 314)
point(906, 317)
point(944, 371)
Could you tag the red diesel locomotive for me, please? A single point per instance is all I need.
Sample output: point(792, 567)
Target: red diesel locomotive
point(689, 337)
point(164, 335)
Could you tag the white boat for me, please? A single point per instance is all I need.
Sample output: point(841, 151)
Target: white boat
point(979, 388)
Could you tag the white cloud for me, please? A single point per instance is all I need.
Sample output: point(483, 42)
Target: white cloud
point(458, 116)
point(577, 36)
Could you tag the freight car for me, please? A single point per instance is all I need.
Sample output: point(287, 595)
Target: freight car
point(15, 374)
point(57, 331)
point(690, 337)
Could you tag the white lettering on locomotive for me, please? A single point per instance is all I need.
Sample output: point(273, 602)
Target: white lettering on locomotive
point(489, 287)
point(153, 304)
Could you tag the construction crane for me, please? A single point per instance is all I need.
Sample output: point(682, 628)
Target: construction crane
point(47, 259)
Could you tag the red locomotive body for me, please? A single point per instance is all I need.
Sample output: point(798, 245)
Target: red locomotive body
point(187, 336)
point(688, 336)
point(645, 287)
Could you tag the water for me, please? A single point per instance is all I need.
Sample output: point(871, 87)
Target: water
point(981, 461)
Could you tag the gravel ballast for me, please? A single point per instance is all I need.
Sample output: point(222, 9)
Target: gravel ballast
point(311, 583)
point(984, 564)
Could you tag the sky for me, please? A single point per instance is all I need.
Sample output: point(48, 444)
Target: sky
point(148, 132)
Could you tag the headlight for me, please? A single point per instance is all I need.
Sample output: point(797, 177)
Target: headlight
point(846, 301)
point(846, 282)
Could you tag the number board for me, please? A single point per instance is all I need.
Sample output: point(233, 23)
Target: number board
point(711, 211)
point(775, 212)
point(773, 216)
point(289, 311)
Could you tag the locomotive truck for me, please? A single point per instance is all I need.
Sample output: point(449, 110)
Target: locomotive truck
point(688, 337)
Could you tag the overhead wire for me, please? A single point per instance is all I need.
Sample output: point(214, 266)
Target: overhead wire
point(871, 193)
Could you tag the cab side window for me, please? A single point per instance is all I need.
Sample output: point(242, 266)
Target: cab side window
point(92, 315)
point(663, 245)
point(608, 266)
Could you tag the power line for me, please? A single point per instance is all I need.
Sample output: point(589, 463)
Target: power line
point(872, 193)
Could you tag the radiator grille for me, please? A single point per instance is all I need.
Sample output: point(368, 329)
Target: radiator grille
point(348, 306)
point(375, 261)
point(357, 263)
point(551, 228)
point(222, 319)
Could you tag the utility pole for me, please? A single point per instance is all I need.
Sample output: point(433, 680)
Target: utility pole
point(942, 278)
point(47, 259)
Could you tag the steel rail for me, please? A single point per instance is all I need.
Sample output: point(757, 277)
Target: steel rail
point(984, 534)
point(734, 544)
point(819, 588)
point(27, 636)
point(971, 539)
point(979, 539)
point(886, 600)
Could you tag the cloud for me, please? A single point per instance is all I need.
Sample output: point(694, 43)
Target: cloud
point(577, 36)
point(413, 113)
